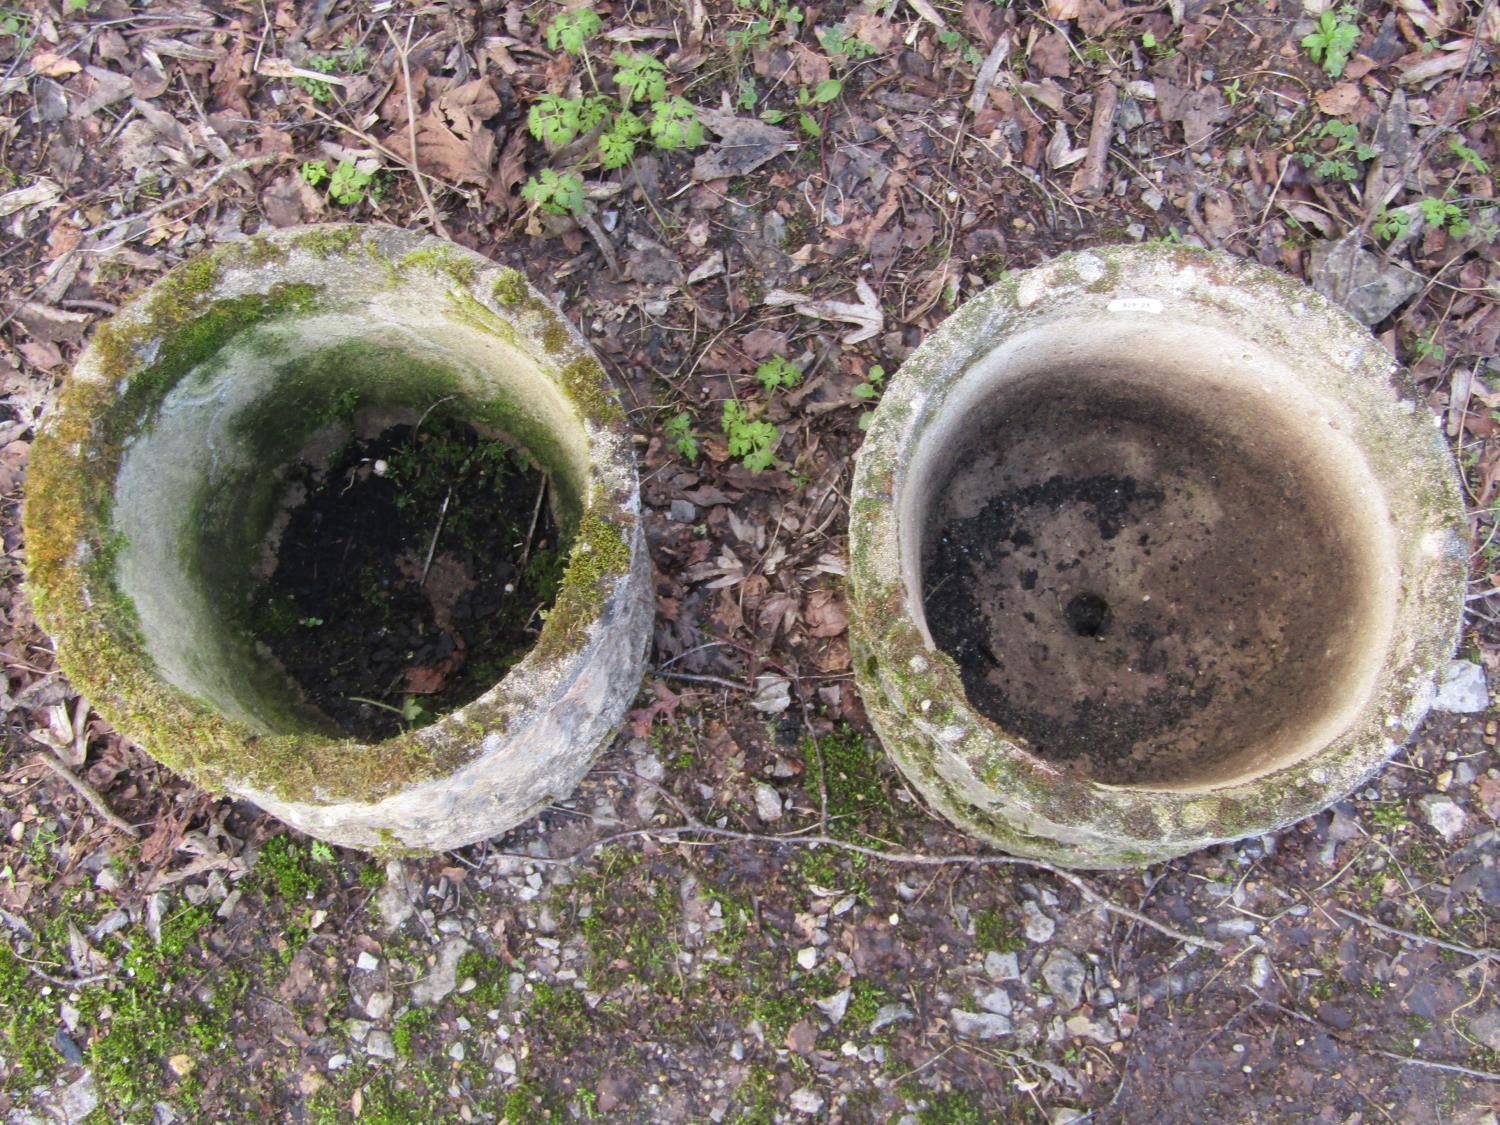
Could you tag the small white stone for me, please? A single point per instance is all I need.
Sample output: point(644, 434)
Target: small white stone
point(380, 467)
point(367, 962)
point(1002, 966)
point(979, 1025)
point(505, 1063)
point(456, 1052)
point(1039, 928)
point(807, 957)
point(996, 1000)
point(806, 1100)
point(767, 802)
point(379, 1045)
point(378, 1006)
point(1260, 971)
point(1461, 688)
point(338, 1061)
point(1446, 818)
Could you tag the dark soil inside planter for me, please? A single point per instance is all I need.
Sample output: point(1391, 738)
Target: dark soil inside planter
point(1138, 600)
point(411, 575)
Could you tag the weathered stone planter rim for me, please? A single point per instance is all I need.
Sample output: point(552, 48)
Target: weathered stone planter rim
point(922, 681)
point(133, 363)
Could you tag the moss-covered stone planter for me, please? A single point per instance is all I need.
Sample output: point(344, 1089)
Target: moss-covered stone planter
point(1150, 552)
point(157, 479)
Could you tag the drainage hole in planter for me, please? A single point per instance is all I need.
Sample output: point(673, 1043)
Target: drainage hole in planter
point(1088, 614)
point(412, 572)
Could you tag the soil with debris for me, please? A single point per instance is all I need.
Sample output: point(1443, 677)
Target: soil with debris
point(412, 572)
point(689, 937)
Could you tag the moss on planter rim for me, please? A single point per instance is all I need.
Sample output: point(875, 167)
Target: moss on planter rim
point(174, 329)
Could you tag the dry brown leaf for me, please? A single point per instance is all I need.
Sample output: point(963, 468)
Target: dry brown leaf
point(1064, 9)
point(452, 139)
point(745, 144)
point(510, 174)
point(54, 65)
point(1336, 101)
point(824, 614)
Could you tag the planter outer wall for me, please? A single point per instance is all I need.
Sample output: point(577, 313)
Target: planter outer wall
point(1382, 445)
point(178, 417)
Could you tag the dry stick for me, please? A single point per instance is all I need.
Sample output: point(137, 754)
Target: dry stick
point(910, 858)
point(690, 678)
point(1090, 178)
point(432, 547)
point(536, 514)
point(87, 792)
point(1407, 935)
point(411, 124)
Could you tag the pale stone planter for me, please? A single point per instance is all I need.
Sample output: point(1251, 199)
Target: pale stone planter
point(1199, 554)
point(156, 479)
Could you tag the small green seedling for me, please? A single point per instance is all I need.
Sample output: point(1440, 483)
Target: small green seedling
point(1390, 225)
point(680, 436)
point(1337, 163)
point(749, 439)
point(640, 78)
point(617, 143)
point(954, 41)
point(346, 183)
point(838, 40)
point(572, 28)
point(869, 390)
point(1332, 41)
point(778, 372)
point(1427, 347)
point(674, 124)
point(555, 193)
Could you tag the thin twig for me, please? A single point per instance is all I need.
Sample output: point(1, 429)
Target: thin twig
point(438, 530)
point(690, 678)
point(907, 858)
point(1407, 935)
point(536, 514)
point(87, 792)
point(411, 124)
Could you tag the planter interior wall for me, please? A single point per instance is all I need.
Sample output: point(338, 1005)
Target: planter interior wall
point(1149, 552)
point(160, 476)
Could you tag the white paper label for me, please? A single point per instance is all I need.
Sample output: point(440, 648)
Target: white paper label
point(1136, 304)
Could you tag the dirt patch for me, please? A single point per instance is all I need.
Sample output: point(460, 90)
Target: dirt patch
point(411, 575)
point(1136, 597)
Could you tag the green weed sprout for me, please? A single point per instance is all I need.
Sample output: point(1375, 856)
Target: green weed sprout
point(680, 436)
point(554, 193)
point(1332, 41)
point(749, 439)
point(674, 124)
point(640, 77)
point(572, 28)
point(778, 372)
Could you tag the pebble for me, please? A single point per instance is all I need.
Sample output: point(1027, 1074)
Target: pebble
point(1446, 818)
point(767, 802)
point(979, 1025)
point(1260, 971)
point(443, 978)
point(505, 1063)
point(1099, 1031)
point(806, 1100)
point(1462, 689)
point(378, 1006)
point(379, 1045)
point(807, 957)
point(997, 1001)
point(1039, 928)
point(394, 902)
point(835, 1006)
point(456, 1052)
point(79, 1099)
point(888, 1014)
point(1486, 1028)
point(367, 962)
point(1064, 974)
point(1002, 966)
point(338, 1061)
